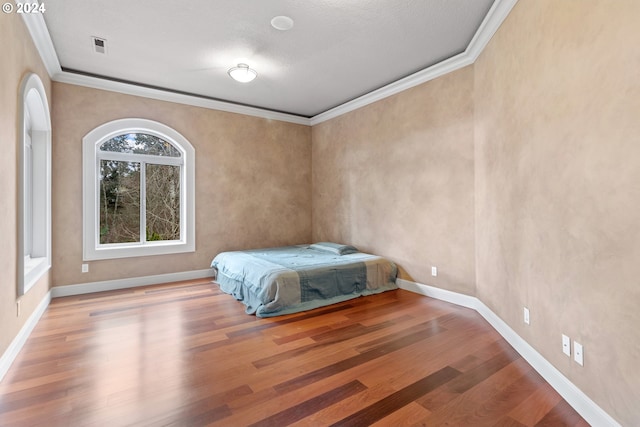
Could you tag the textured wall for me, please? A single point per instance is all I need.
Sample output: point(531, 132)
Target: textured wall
point(558, 187)
point(18, 57)
point(253, 181)
point(553, 106)
point(396, 178)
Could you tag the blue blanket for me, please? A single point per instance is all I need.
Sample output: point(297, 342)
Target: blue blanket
point(277, 281)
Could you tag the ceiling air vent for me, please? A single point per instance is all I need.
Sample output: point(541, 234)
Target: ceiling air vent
point(99, 45)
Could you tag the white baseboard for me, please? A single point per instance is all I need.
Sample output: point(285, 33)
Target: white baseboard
point(586, 407)
point(18, 342)
point(110, 285)
point(437, 293)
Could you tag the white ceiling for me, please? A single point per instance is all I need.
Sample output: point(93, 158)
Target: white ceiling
point(337, 51)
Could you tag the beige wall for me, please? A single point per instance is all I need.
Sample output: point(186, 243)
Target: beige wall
point(557, 105)
point(253, 181)
point(396, 178)
point(537, 145)
point(18, 57)
point(551, 125)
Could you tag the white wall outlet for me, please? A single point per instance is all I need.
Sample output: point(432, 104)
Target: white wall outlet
point(434, 271)
point(526, 315)
point(578, 354)
point(85, 268)
point(566, 345)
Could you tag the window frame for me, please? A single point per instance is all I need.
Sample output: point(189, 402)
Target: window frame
point(92, 248)
point(34, 185)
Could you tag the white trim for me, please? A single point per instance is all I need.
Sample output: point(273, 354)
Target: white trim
point(42, 40)
point(586, 407)
point(134, 282)
point(35, 120)
point(10, 354)
point(34, 269)
point(18, 342)
point(178, 98)
point(92, 249)
point(145, 158)
point(437, 293)
point(39, 32)
point(40, 35)
point(496, 15)
point(440, 69)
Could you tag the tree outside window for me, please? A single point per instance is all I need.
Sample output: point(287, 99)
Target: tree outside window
point(138, 190)
point(123, 186)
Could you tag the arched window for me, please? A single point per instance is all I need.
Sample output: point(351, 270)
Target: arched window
point(138, 190)
point(34, 219)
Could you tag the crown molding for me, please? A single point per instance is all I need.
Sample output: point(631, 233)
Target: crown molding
point(496, 15)
point(39, 33)
point(436, 70)
point(178, 98)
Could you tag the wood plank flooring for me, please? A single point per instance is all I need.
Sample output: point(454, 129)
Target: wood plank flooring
point(186, 354)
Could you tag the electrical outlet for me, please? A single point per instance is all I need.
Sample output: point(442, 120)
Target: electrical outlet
point(566, 345)
point(434, 271)
point(526, 315)
point(85, 268)
point(578, 354)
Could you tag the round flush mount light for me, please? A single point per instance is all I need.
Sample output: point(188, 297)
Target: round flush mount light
point(282, 23)
point(242, 73)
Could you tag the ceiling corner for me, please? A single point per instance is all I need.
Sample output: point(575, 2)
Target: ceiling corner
point(40, 35)
point(490, 24)
point(496, 15)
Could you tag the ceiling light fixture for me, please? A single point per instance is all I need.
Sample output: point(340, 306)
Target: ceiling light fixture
point(242, 73)
point(282, 23)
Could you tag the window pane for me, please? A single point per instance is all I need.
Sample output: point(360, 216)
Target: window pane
point(163, 202)
point(28, 194)
point(140, 143)
point(119, 201)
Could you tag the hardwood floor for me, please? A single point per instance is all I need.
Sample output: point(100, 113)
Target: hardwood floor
point(185, 354)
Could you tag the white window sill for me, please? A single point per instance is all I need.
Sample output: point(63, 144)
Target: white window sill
point(34, 269)
point(137, 250)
